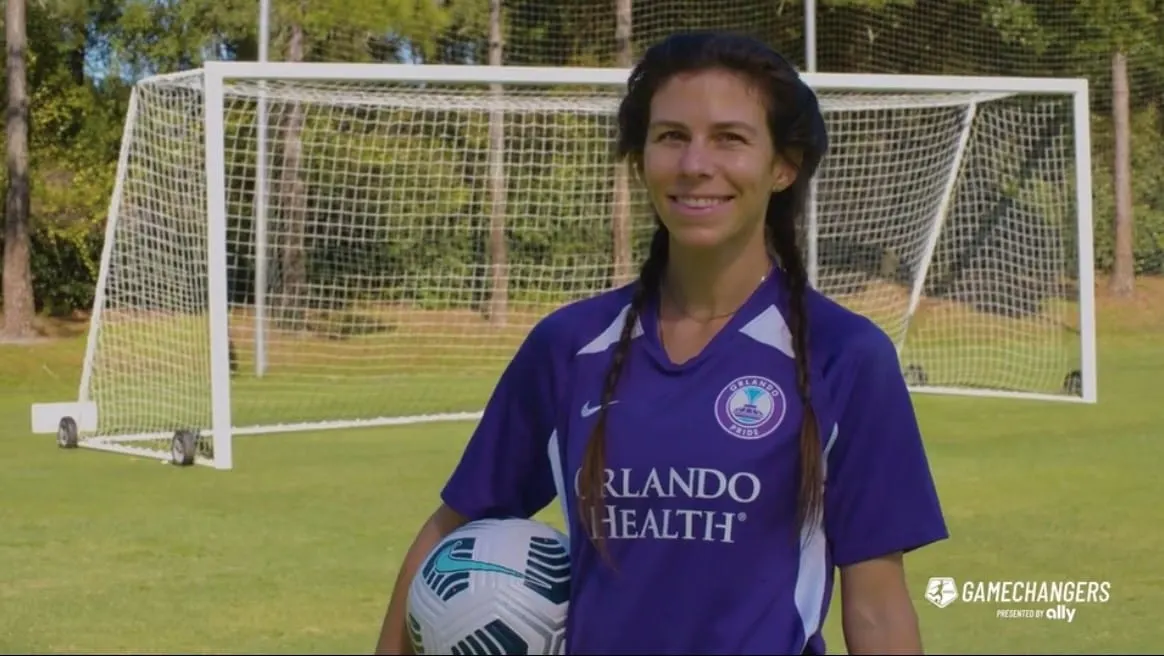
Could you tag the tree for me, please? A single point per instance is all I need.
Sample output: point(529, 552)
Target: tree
point(498, 253)
point(624, 53)
point(1123, 270)
point(327, 30)
point(294, 194)
point(18, 299)
point(1119, 29)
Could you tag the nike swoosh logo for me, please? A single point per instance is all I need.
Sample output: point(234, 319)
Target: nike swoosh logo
point(447, 563)
point(588, 411)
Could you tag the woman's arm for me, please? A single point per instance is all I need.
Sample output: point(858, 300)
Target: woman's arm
point(504, 470)
point(393, 633)
point(877, 614)
point(880, 498)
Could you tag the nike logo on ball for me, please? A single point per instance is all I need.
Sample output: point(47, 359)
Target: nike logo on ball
point(447, 563)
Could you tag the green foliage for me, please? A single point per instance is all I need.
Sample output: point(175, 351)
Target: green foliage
point(85, 55)
point(1147, 194)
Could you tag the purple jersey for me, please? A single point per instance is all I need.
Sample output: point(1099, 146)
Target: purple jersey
point(702, 469)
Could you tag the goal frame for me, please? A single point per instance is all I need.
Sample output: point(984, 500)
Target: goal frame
point(215, 75)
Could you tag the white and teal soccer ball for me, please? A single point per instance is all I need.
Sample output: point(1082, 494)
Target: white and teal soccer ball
point(493, 586)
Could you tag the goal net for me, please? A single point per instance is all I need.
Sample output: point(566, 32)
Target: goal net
point(411, 223)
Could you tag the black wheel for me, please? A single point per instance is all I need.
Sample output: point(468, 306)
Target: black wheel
point(205, 447)
point(67, 433)
point(1073, 383)
point(183, 448)
point(915, 375)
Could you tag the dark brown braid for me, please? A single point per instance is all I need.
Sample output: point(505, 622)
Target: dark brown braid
point(798, 129)
point(593, 472)
point(782, 239)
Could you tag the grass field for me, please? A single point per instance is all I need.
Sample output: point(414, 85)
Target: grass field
point(296, 549)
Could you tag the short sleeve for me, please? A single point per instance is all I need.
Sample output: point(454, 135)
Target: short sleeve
point(504, 470)
point(880, 496)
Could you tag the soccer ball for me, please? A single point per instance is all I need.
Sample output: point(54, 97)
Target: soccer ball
point(493, 586)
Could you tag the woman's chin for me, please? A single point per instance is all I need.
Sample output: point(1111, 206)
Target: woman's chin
point(697, 237)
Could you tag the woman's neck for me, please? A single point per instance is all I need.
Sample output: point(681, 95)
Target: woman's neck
point(706, 284)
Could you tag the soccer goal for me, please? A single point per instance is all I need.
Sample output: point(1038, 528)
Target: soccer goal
point(306, 246)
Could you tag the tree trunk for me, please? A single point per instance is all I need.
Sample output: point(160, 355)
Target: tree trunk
point(621, 221)
point(293, 198)
point(17, 285)
point(1123, 270)
point(498, 248)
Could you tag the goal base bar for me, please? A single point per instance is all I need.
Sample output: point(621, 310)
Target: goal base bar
point(1002, 394)
point(125, 446)
point(46, 417)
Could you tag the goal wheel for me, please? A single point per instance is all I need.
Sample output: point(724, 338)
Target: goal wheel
point(915, 375)
point(183, 448)
point(204, 446)
point(1073, 383)
point(67, 433)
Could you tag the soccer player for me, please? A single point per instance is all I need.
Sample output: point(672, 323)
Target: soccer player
point(721, 436)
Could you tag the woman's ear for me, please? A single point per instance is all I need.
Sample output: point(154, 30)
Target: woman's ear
point(783, 175)
point(786, 168)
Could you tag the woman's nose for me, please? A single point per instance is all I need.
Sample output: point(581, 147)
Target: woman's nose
point(695, 161)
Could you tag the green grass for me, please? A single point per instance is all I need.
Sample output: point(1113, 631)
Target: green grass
point(296, 549)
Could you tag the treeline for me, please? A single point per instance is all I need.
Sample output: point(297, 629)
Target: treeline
point(84, 56)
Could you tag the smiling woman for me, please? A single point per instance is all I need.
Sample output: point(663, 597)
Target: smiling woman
point(710, 168)
point(691, 416)
point(710, 165)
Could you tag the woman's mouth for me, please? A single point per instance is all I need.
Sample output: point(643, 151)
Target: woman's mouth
point(698, 205)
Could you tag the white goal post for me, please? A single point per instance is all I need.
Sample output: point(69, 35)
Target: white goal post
point(418, 219)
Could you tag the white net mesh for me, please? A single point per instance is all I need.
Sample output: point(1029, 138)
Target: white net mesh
point(399, 280)
point(952, 222)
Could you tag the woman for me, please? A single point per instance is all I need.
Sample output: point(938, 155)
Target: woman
point(722, 436)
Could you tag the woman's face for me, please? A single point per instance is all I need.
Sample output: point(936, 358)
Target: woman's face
point(709, 163)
